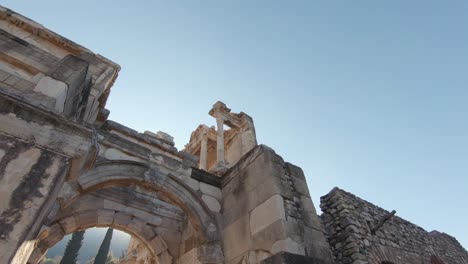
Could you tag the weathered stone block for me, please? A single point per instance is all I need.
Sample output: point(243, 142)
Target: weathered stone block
point(210, 253)
point(265, 238)
point(287, 245)
point(54, 89)
point(122, 219)
point(165, 257)
point(190, 257)
point(255, 256)
point(237, 238)
point(56, 234)
point(210, 190)
point(194, 184)
point(158, 245)
point(212, 203)
point(267, 213)
point(289, 258)
point(68, 224)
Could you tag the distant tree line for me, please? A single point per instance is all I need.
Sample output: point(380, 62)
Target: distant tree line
point(73, 247)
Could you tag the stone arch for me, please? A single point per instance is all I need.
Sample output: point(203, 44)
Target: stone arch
point(112, 175)
point(165, 219)
point(382, 255)
point(390, 255)
point(56, 231)
point(436, 260)
point(123, 173)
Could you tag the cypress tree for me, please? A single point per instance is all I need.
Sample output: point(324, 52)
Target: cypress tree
point(103, 251)
point(73, 247)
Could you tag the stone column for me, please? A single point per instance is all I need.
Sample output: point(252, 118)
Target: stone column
point(203, 150)
point(220, 141)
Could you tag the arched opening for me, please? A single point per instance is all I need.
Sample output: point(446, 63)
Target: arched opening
point(150, 240)
point(386, 255)
point(84, 246)
point(158, 209)
point(436, 260)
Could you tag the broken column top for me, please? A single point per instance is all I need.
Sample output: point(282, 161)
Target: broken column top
point(235, 142)
point(232, 120)
point(219, 108)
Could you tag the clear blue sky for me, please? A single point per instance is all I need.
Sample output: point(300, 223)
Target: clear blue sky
point(370, 96)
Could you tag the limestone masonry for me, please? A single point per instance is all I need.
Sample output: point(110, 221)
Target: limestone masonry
point(223, 199)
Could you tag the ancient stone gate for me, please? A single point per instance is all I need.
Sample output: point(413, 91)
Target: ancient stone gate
point(223, 199)
point(64, 167)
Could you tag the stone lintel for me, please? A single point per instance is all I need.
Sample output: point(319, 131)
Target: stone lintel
point(122, 144)
point(110, 126)
point(208, 178)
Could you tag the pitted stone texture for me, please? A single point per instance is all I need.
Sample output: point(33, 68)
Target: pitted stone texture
point(349, 220)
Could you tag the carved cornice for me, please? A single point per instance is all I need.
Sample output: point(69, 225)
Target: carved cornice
point(39, 30)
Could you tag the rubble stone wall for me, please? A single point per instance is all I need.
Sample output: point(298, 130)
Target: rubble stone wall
point(351, 225)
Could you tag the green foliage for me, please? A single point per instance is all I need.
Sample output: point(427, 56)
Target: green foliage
point(73, 247)
point(103, 252)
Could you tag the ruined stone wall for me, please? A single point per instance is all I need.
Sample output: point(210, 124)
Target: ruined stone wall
point(448, 248)
point(351, 227)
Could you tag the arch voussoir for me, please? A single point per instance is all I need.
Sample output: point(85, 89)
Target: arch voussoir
point(54, 234)
point(123, 173)
point(68, 224)
point(105, 217)
point(86, 219)
point(158, 244)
